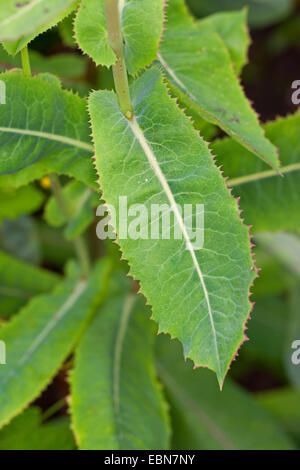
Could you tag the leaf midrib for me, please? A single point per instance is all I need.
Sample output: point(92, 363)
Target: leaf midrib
point(141, 139)
point(46, 135)
point(72, 298)
point(121, 333)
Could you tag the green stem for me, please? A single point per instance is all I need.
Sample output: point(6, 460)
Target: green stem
point(54, 409)
point(115, 41)
point(26, 62)
point(79, 243)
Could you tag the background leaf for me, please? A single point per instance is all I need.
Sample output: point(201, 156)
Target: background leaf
point(22, 22)
point(20, 281)
point(40, 338)
point(114, 374)
point(205, 418)
point(269, 202)
point(28, 432)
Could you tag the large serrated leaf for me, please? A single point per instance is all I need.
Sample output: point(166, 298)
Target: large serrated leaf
point(269, 202)
point(21, 22)
point(141, 41)
point(114, 374)
point(201, 296)
point(20, 281)
point(42, 335)
point(40, 120)
point(205, 418)
point(199, 68)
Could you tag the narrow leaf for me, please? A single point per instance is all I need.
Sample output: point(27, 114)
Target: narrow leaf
point(199, 68)
point(199, 296)
point(42, 335)
point(28, 432)
point(141, 38)
point(81, 201)
point(20, 281)
point(114, 374)
point(21, 22)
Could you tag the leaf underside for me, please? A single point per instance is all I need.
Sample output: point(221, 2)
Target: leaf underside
point(201, 296)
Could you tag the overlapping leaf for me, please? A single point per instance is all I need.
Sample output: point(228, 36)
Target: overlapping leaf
point(232, 28)
point(283, 403)
point(28, 432)
point(199, 296)
point(21, 22)
point(20, 281)
point(141, 40)
point(23, 200)
point(199, 68)
point(269, 202)
point(42, 335)
point(205, 418)
point(114, 374)
point(81, 201)
point(42, 121)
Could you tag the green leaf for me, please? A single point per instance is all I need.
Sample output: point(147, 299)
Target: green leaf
point(28, 432)
point(200, 73)
point(21, 22)
point(42, 121)
point(114, 374)
point(292, 353)
point(66, 66)
point(42, 335)
point(20, 281)
point(20, 238)
point(15, 202)
point(284, 405)
point(269, 202)
point(267, 333)
point(261, 12)
point(205, 418)
point(232, 27)
point(81, 202)
point(141, 38)
point(198, 296)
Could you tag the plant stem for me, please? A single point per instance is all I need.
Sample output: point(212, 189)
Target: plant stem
point(115, 41)
point(26, 62)
point(79, 243)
